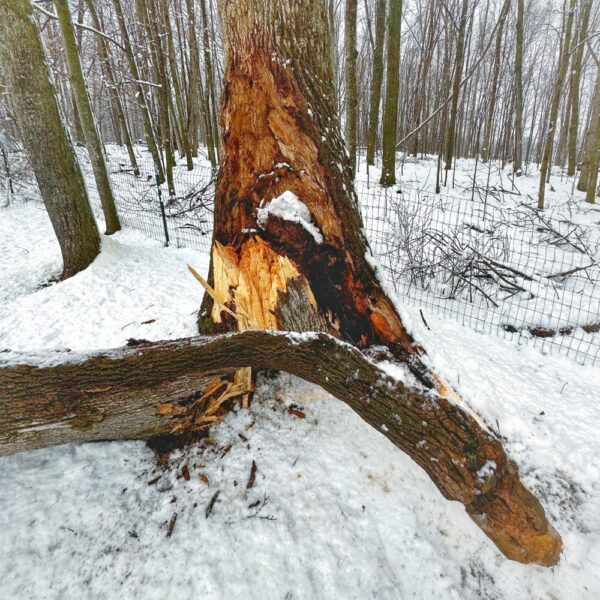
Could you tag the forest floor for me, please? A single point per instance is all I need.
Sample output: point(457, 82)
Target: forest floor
point(336, 510)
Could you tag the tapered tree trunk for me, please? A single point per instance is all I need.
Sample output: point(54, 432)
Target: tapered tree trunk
point(555, 104)
point(590, 137)
point(487, 136)
point(458, 69)
point(45, 137)
point(576, 84)
point(593, 162)
point(518, 150)
point(84, 109)
point(149, 13)
point(350, 75)
point(390, 111)
point(104, 53)
point(179, 115)
point(284, 155)
point(376, 81)
point(140, 92)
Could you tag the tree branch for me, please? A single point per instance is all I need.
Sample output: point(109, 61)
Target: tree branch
point(51, 15)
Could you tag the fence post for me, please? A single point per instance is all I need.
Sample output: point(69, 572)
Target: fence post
point(162, 208)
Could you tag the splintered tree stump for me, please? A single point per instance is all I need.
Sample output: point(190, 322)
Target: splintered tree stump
point(152, 389)
point(289, 251)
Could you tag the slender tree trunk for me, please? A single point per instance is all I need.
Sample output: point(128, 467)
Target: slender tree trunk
point(390, 111)
point(140, 92)
point(458, 69)
point(561, 147)
point(487, 136)
point(592, 186)
point(209, 80)
point(376, 81)
point(575, 86)
point(84, 108)
point(589, 169)
point(178, 115)
point(104, 53)
point(350, 75)
point(518, 151)
point(555, 104)
point(149, 11)
point(45, 137)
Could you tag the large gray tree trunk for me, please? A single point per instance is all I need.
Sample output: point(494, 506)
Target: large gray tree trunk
point(45, 137)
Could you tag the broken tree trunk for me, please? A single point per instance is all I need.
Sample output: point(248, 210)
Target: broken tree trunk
point(157, 388)
point(286, 214)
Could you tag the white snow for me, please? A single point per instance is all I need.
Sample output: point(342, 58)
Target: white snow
point(336, 512)
point(289, 207)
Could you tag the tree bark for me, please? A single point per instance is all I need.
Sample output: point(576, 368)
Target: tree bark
point(350, 75)
point(518, 153)
point(555, 104)
point(390, 111)
point(103, 51)
point(45, 137)
point(575, 85)
point(84, 109)
point(123, 395)
point(594, 160)
point(376, 81)
point(140, 93)
point(592, 135)
point(458, 69)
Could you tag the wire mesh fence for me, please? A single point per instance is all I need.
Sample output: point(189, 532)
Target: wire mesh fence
point(496, 266)
point(493, 263)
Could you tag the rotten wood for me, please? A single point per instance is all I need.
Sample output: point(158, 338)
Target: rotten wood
point(116, 395)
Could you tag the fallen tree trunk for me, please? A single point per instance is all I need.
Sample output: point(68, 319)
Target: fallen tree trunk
point(157, 388)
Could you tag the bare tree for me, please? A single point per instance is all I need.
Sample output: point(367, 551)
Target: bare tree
point(88, 123)
point(350, 71)
point(45, 137)
point(376, 80)
point(390, 112)
point(555, 104)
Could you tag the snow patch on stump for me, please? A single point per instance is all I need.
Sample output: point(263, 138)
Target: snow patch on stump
point(289, 208)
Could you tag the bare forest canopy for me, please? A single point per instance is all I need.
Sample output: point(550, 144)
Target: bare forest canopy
point(474, 77)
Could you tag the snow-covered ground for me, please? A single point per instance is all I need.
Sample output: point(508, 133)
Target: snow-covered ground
point(336, 511)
